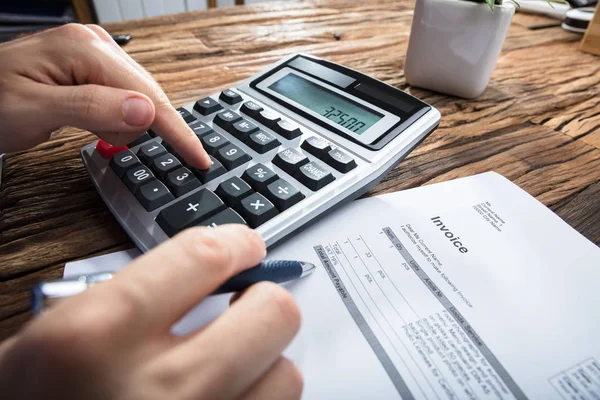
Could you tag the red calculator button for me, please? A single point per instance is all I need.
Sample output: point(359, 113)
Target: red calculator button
point(107, 150)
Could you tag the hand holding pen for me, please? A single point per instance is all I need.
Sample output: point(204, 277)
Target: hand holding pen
point(114, 340)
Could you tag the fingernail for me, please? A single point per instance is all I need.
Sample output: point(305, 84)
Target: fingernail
point(137, 112)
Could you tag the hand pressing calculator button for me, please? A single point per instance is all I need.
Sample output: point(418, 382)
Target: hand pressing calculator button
point(189, 211)
point(257, 210)
point(271, 140)
point(227, 216)
point(207, 106)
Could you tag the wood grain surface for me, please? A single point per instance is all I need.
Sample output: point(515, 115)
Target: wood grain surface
point(538, 122)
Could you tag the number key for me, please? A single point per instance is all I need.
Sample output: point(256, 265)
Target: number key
point(136, 177)
point(123, 161)
point(181, 181)
point(164, 164)
point(215, 170)
point(200, 128)
point(232, 156)
point(213, 142)
point(150, 150)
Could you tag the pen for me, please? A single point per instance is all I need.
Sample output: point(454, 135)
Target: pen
point(45, 293)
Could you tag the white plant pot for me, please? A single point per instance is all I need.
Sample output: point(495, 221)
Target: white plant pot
point(454, 45)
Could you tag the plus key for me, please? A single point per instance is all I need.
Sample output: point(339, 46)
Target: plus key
point(189, 211)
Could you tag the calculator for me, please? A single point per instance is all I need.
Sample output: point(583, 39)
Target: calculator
point(288, 145)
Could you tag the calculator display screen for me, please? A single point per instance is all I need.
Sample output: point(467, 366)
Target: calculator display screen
point(344, 112)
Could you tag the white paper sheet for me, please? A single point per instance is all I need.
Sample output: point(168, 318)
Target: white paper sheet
point(465, 289)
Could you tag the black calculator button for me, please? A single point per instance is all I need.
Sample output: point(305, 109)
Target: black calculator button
point(283, 194)
point(314, 175)
point(181, 181)
point(216, 169)
point(227, 216)
point(207, 106)
point(287, 129)
point(144, 137)
point(171, 149)
point(316, 146)
point(200, 128)
point(213, 142)
point(226, 118)
point(164, 164)
point(232, 156)
point(150, 150)
point(268, 118)
point(261, 142)
point(123, 161)
point(257, 210)
point(259, 176)
point(241, 129)
point(233, 190)
point(290, 160)
point(340, 160)
point(136, 177)
point(230, 97)
point(190, 211)
point(251, 109)
point(153, 195)
point(152, 133)
point(186, 115)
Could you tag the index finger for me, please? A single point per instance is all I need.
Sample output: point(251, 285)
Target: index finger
point(175, 276)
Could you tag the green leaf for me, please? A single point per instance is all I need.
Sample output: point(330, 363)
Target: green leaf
point(491, 4)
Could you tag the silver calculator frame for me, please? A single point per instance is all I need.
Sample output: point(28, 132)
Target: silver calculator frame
point(372, 167)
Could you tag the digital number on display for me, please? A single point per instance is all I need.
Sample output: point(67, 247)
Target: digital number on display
point(343, 119)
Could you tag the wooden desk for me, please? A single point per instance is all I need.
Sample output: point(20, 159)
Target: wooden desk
point(538, 123)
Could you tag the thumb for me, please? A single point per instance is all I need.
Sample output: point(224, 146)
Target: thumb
point(100, 109)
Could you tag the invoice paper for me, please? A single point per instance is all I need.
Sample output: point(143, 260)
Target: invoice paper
point(468, 289)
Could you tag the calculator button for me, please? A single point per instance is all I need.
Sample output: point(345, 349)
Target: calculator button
point(136, 177)
point(181, 181)
point(287, 129)
point(230, 97)
point(290, 160)
point(107, 150)
point(241, 129)
point(171, 149)
point(314, 175)
point(164, 164)
point(123, 161)
point(213, 142)
point(227, 216)
point(283, 194)
point(316, 146)
point(233, 190)
point(259, 176)
point(144, 137)
point(152, 133)
point(205, 175)
point(225, 119)
point(340, 160)
point(261, 142)
point(150, 150)
point(257, 210)
point(190, 211)
point(186, 115)
point(207, 106)
point(251, 109)
point(153, 195)
point(200, 128)
point(268, 118)
point(232, 156)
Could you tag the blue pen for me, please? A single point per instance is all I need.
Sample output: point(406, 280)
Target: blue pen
point(45, 293)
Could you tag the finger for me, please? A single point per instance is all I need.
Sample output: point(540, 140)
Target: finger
point(97, 108)
point(282, 382)
point(107, 67)
point(239, 346)
point(171, 279)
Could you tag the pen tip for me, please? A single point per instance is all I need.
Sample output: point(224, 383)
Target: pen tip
point(307, 268)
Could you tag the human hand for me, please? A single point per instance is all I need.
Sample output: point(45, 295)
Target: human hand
point(76, 75)
point(113, 341)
